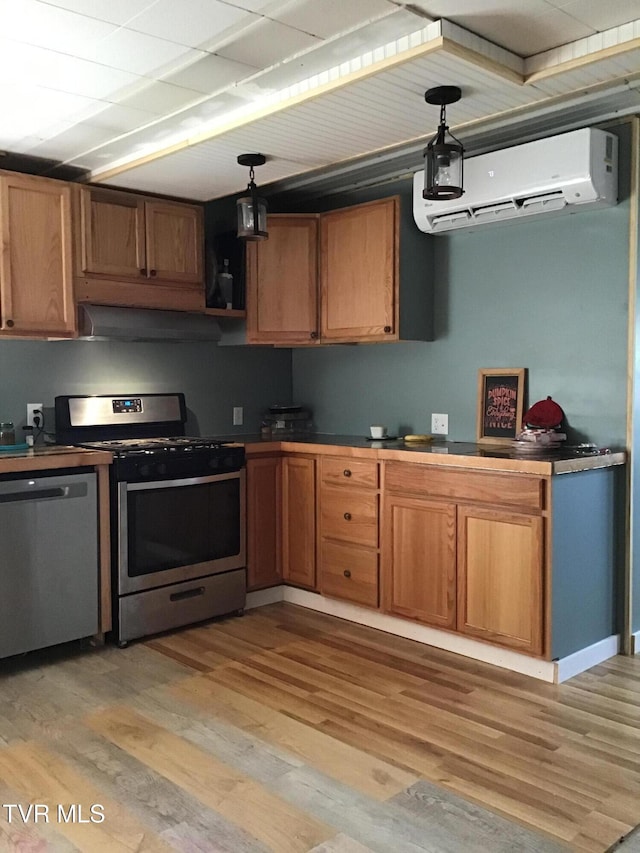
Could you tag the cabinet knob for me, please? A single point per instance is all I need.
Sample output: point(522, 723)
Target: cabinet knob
point(10, 324)
point(155, 272)
point(347, 472)
point(313, 335)
point(347, 573)
point(347, 516)
point(143, 271)
point(387, 329)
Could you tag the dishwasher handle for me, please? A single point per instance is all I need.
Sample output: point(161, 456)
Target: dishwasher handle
point(72, 491)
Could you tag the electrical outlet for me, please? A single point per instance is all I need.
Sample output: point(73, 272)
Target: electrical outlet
point(238, 416)
point(439, 424)
point(31, 408)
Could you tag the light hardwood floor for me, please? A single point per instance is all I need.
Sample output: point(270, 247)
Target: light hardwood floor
point(288, 730)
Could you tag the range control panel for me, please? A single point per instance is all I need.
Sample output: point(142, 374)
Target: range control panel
point(127, 405)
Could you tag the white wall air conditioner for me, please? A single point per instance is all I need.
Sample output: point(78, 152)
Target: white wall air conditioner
point(560, 174)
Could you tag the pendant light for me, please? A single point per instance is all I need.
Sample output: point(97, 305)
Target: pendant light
point(252, 210)
point(443, 154)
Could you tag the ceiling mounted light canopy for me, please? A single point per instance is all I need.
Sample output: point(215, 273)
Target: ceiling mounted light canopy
point(252, 210)
point(444, 153)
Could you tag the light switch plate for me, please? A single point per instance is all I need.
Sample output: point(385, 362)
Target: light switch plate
point(238, 416)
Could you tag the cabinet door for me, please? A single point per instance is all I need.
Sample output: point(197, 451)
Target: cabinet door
point(36, 283)
point(264, 522)
point(112, 233)
point(299, 520)
point(282, 282)
point(419, 560)
point(359, 272)
point(175, 242)
point(500, 581)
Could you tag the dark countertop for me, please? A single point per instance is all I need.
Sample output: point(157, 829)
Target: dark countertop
point(450, 453)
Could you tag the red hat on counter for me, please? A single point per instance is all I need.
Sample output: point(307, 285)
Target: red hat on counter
point(545, 414)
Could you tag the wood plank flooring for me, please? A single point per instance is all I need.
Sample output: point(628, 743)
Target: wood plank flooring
point(288, 730)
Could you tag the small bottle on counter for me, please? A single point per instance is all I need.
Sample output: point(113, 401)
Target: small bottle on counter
point(29, 439)
point(7, 433)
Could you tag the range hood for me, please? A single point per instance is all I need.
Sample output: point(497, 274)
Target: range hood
point(107, 323)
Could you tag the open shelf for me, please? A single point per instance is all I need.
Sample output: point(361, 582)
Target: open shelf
point(225, 312)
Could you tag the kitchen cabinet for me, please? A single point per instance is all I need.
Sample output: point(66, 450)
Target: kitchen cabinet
point(299, 520)
point(264, 522)
point(348, 530)
point(282, 282)
point(500, 577)
point(465, 550)
point(357, 274)
point(138, 251)
point(36, 284)
point(419, 559)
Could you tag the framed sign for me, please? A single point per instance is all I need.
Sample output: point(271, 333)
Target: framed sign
point(500, 403)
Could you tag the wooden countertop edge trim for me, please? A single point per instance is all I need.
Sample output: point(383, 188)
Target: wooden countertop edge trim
point(49, 458)
point(451, 460)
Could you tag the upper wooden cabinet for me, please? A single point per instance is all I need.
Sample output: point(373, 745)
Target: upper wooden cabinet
point(282, 282)
point(358, 274)
point(138, 251)
point(36, 284)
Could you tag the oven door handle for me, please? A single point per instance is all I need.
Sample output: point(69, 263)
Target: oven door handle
point(188, 481)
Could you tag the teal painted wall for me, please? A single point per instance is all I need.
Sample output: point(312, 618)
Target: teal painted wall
point(213, 378)
point(550, 294)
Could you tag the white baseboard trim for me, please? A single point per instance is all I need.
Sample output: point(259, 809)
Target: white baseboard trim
point(586, 658)
point(264, 596)
point(505, 658)
point(635, 642)
point(555, 672)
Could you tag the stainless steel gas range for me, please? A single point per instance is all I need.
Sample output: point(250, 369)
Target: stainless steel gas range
point(177, 510)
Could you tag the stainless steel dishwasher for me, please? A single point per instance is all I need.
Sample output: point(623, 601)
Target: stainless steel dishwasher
point(48, 559)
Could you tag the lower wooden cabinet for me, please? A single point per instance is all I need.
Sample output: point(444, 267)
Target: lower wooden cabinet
point(419, 560)
point(500, 577)
point(264, 522)
point(453, 557)
point(456, 552)
point(299, 520)
point(349, 529)
point(349, 572)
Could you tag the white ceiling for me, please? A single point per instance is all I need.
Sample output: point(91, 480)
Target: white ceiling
point(162, 95)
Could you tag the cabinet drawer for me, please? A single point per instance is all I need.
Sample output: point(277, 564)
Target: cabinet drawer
point(489, 488)
point(349, 515)
point(349, 572)
point(350, 472)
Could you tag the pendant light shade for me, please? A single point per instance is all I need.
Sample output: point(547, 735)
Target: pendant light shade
point(443, 156)
point(251, 209)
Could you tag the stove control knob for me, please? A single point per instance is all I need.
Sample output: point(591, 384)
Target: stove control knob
point(144, 470)
point(214, 463)
point(161, 469)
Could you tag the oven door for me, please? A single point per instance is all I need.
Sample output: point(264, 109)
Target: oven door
point(176, 530)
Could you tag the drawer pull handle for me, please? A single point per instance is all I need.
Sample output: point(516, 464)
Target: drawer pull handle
point(347, 516)
point(347, 472)
point(188, 593)
point(10, 324)
point(347, 573)
point(143, 271)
